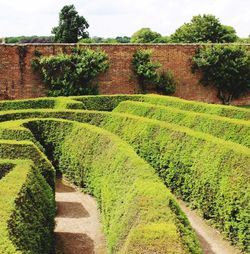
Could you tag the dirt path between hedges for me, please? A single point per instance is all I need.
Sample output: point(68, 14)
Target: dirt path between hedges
point(78, 228)
point(210, 239)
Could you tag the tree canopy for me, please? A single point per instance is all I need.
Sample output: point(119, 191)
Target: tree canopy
point(204, 28)
point(227, 68)
point(72, 27)
point(145, 35)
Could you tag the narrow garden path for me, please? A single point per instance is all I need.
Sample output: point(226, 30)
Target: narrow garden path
point(78, 228)
point(210, 239)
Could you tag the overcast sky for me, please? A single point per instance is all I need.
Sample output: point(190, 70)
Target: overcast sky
point(111, 18)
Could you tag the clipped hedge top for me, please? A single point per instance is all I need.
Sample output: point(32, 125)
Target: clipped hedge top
point(10, 186)
point(180, 155)
point(97, 117)
point(214, 109)
point(109, 102)
point(236, 130)
point(143, 193)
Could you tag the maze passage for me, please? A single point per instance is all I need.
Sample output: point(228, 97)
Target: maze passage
point(135, 154)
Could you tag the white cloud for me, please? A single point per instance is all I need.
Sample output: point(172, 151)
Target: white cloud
point(110, 18)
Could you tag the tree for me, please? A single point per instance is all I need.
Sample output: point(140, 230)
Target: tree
point(206, 28)
point(71, 26)
point(145, 35)
point(123, 39)
point(227, 68)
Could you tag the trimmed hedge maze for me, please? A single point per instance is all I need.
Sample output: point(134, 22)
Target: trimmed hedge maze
point(135, 154)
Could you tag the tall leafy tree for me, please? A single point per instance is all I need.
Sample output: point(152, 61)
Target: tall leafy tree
point(204, 28)
point(227, 68)
point(72, 27)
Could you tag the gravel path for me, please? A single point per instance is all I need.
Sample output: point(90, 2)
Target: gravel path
point(78, 227)
point(210, 239)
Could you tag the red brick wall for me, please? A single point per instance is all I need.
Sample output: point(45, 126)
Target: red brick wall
point(18, 81)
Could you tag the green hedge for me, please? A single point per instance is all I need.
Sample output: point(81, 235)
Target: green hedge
point(234, 130)
point(11, 149)
point(199, 168)
point(209, 173)
point(13, 131)
point(99, 102)
point(26, 104)
point(5, 168)
point(214, 109)
point(27, 211)
point(133, 201)
point(109, 102)
point(102, 102)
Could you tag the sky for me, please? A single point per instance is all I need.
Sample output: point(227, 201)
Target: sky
point(111, 18)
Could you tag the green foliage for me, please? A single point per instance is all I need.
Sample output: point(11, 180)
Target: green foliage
point(124, 185)
point(206, 28)
point(166, 83)
point(209, 173)
point(24, 190)
point(123, 39)
point(147, 73)
point(30, 39)
point(98, 40)
point(72, 74)
point(71, 26)
point(109, 102)
point(26, 150)
point(229, 129)
point(145, 69)
point(145, 35)
point(244, 40)
point(227, 68)
point(201, 107)
point(32, 232)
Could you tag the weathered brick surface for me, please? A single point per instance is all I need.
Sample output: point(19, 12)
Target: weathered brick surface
point(18, 81)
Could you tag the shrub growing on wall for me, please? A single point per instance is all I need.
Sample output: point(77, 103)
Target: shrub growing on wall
point(166, 83)
point(73, 74)
point(227, 68)
point(147, 73)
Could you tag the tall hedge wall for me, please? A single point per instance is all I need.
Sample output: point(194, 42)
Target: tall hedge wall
point(23, 190)
point(133, 201)
point(208, 172)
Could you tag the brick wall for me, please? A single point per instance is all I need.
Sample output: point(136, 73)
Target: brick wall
point(17, 80)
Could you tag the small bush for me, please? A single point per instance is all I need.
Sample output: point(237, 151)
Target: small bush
point(166, 83)
point(147, 73)
point(73, 74)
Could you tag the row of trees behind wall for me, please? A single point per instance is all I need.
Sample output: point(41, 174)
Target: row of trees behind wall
point(73, 28)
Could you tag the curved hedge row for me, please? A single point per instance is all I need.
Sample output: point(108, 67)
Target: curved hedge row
point(109, 102)
point(195, 106)
point(14, 150)
point(210, 173)
point(234, 130)
point(22, 190)
point(181, 157)
point(133, 201)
